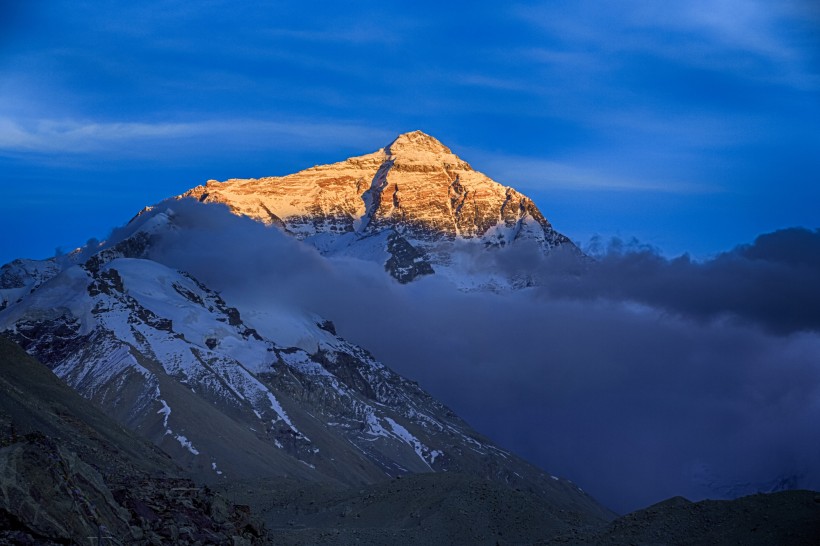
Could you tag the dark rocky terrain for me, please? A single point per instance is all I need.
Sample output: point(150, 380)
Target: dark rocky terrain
point(786, 517)
point(70, 475)
point(432, 508)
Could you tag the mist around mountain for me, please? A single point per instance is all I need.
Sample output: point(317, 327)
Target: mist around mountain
point(635, 376)
point(635, 393)
point(684, 376)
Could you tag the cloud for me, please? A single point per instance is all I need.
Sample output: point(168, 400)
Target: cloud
point(625, 376)
point(756, 39)
point(356, 35)
point(770, 283)
point(531, 173)
point(489, 82)
point(51, 135)
point(128, 138)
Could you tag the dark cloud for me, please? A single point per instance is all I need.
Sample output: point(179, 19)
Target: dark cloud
point(794, 246)
point(771, 282)
point(626, 375)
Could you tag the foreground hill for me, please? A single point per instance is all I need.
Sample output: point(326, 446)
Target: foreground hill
point(784, 518)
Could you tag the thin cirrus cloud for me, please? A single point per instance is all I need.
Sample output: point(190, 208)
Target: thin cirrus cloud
point(72, 136)
point(753, 40)
point(356, 35)
point(80, 137)
point(531, 173)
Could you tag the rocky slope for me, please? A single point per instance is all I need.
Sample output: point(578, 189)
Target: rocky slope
point(441, 508)
point(20, 277)
point(69, 474)
point(413, 206)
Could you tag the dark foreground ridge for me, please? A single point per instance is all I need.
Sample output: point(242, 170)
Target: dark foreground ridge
point(431, 508)
point(785, 518)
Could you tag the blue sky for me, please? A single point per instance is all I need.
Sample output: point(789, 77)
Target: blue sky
point(693, 126)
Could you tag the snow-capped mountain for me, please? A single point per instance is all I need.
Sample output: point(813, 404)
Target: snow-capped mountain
point(413, 206)
point(230, 392)
point(20, 277)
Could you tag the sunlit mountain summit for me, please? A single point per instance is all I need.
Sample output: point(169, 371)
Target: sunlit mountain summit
point(414, 206)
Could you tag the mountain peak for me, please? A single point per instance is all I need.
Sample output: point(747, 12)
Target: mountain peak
point(416, 141)
point(407, 203)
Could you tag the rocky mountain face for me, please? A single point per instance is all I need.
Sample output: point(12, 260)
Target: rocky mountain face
point(413, 206)
point(224, 394)
point(20, 277)
point(71, 475)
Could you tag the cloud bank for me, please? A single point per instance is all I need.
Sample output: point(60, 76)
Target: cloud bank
point(635, 376)
point(770, 282)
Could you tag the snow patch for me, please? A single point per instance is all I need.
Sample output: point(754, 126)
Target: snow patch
point(184, 442)
point(165, 410)
point(405, 435)
point(280, 411)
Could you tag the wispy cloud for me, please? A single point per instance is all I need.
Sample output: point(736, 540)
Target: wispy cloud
point(73, 136)
point(715, 34)
point(489, 82)
point(79, 137)
point(688, 132)
point(355, 35)
point(745, 25)
point(527, 173)
point(562, 58)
